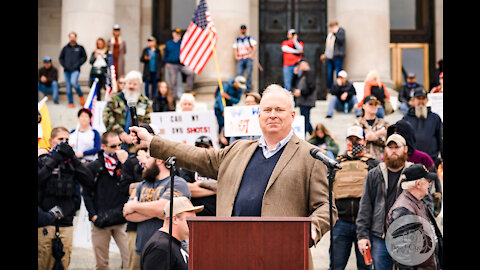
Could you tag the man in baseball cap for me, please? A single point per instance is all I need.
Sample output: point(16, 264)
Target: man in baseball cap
point(156, 252)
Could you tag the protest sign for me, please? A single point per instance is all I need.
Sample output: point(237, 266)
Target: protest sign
point(243, 121)
point(186, 127)
point(435, 101)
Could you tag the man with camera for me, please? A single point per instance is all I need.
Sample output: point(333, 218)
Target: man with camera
point(104, 202)
point(58, 172)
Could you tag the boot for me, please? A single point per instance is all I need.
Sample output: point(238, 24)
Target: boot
point(82, 100)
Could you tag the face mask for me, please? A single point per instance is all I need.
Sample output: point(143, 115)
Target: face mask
point(356, 149)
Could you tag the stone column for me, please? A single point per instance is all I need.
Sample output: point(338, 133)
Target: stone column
point(227, 17)
point(367, 27)
point(90, 19)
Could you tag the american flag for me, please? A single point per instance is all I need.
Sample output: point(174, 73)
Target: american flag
point(196, 47)
point(111, 77)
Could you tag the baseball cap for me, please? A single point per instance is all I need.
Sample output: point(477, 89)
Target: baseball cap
point(241, 81)
point(116, 27)
point(150, 38)
point(396, 138)
point(180, 205)
point(342, 73)
point(203, 140)
point(356, 131)
point(47, 59)
point(371, 98)
point(177, 30)
point(420, 93)
point(243, 26)
point(417, 171)
point(411, 75)
point(292, 31)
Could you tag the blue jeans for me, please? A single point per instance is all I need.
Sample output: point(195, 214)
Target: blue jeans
point(53, 89)
point(344, 235)
point(242, 65)
point(333, 64)
point(335, 104)
point(71, 80)
point(287, 77)
point(305, 111)
point(404, 107)
point(380, 112)
point(380, 256)
point(153, 81)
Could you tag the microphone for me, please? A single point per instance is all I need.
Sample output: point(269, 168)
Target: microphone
point(133, 112)
point(132, 105)
point(316, 153)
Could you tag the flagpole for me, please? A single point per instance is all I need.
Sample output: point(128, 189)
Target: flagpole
point(220, 85)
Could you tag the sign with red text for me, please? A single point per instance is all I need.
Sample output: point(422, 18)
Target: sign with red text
point(243, 121)
point(186, 127)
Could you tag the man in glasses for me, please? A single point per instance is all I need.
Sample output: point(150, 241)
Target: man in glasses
point(104, 202)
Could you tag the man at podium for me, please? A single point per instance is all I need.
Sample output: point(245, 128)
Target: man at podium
point(272, 176)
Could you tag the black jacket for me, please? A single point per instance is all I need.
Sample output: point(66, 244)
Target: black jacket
point(51, 177)
point(428, 132)
point(338, 90)
point(108, 195)
point(51, 74)
point(371, 219)
point(71, 58)
point(146, 64)
point(340, 44)
point(307, 85)
point(405, 93)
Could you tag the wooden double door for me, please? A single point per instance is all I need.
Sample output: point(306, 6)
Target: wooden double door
point(308, 17)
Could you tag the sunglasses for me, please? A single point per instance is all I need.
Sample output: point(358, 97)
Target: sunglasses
point(115, 146)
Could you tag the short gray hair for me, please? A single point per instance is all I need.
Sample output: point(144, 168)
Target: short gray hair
point(276, 88)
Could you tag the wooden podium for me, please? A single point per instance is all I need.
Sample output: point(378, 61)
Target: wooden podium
point(248, 243)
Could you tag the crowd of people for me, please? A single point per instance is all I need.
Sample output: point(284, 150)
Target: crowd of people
point(123, 177)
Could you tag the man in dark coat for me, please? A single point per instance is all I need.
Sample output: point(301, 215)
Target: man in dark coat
point(427, 125)
point(305, 94)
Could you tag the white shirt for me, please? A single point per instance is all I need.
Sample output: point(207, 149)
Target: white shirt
point(267, 153)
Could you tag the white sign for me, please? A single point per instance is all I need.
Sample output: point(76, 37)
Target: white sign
point(186, 127)
point(435, 101)
point(243, 121)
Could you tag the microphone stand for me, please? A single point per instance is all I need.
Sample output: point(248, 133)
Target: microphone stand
point(331, 178)
point(170, 164)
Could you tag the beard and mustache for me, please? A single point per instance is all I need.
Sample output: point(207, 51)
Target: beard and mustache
point(394, 161)
point(150, 172)
point(421, 111)
point(131, 94)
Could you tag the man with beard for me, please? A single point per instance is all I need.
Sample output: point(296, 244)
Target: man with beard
point(427, 125)
point(347, 189)
point(147, 204)
point(380, 191)
point(116, 115)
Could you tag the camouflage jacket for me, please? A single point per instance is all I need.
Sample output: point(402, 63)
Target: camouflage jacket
point(115, 112)
point(374, 148)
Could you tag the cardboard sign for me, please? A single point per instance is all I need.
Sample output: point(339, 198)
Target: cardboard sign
point(435, 101)
point(243, 121)
point(186, 127)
